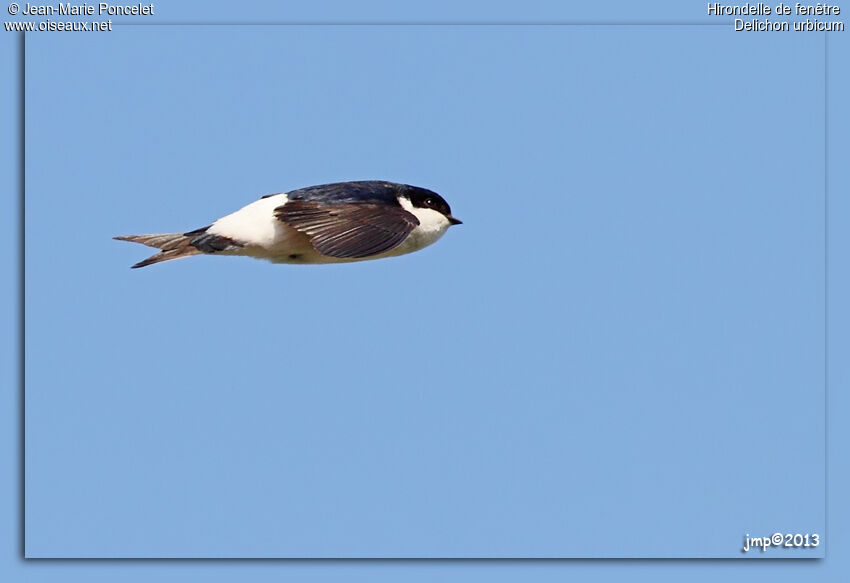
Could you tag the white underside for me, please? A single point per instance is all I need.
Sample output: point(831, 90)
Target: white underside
point(263, 236)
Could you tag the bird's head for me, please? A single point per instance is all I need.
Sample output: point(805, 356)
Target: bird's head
point(427, 205)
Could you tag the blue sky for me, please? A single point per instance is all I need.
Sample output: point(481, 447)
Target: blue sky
point(626, 335)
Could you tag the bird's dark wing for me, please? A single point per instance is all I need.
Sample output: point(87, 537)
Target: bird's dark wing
point(348, 230)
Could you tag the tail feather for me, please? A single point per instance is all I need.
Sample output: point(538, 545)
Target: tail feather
point(171, 245)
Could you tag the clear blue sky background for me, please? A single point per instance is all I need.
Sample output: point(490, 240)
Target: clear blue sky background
point(620, 353)
point(626, 334)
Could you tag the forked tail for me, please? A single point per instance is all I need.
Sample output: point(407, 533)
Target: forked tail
point(171, 245)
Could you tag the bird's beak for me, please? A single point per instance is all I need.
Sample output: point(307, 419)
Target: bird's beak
point(454, 221)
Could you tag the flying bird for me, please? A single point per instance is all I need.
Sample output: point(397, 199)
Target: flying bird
point(328, 223)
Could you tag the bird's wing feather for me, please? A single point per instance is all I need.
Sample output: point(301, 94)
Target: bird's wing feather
point(348, 230)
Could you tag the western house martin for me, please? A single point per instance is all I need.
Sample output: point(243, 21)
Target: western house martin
point(329, 223)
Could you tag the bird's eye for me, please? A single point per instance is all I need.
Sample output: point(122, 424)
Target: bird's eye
point(429, 201)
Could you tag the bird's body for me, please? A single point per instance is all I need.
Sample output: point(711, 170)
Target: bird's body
point(329, 223)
